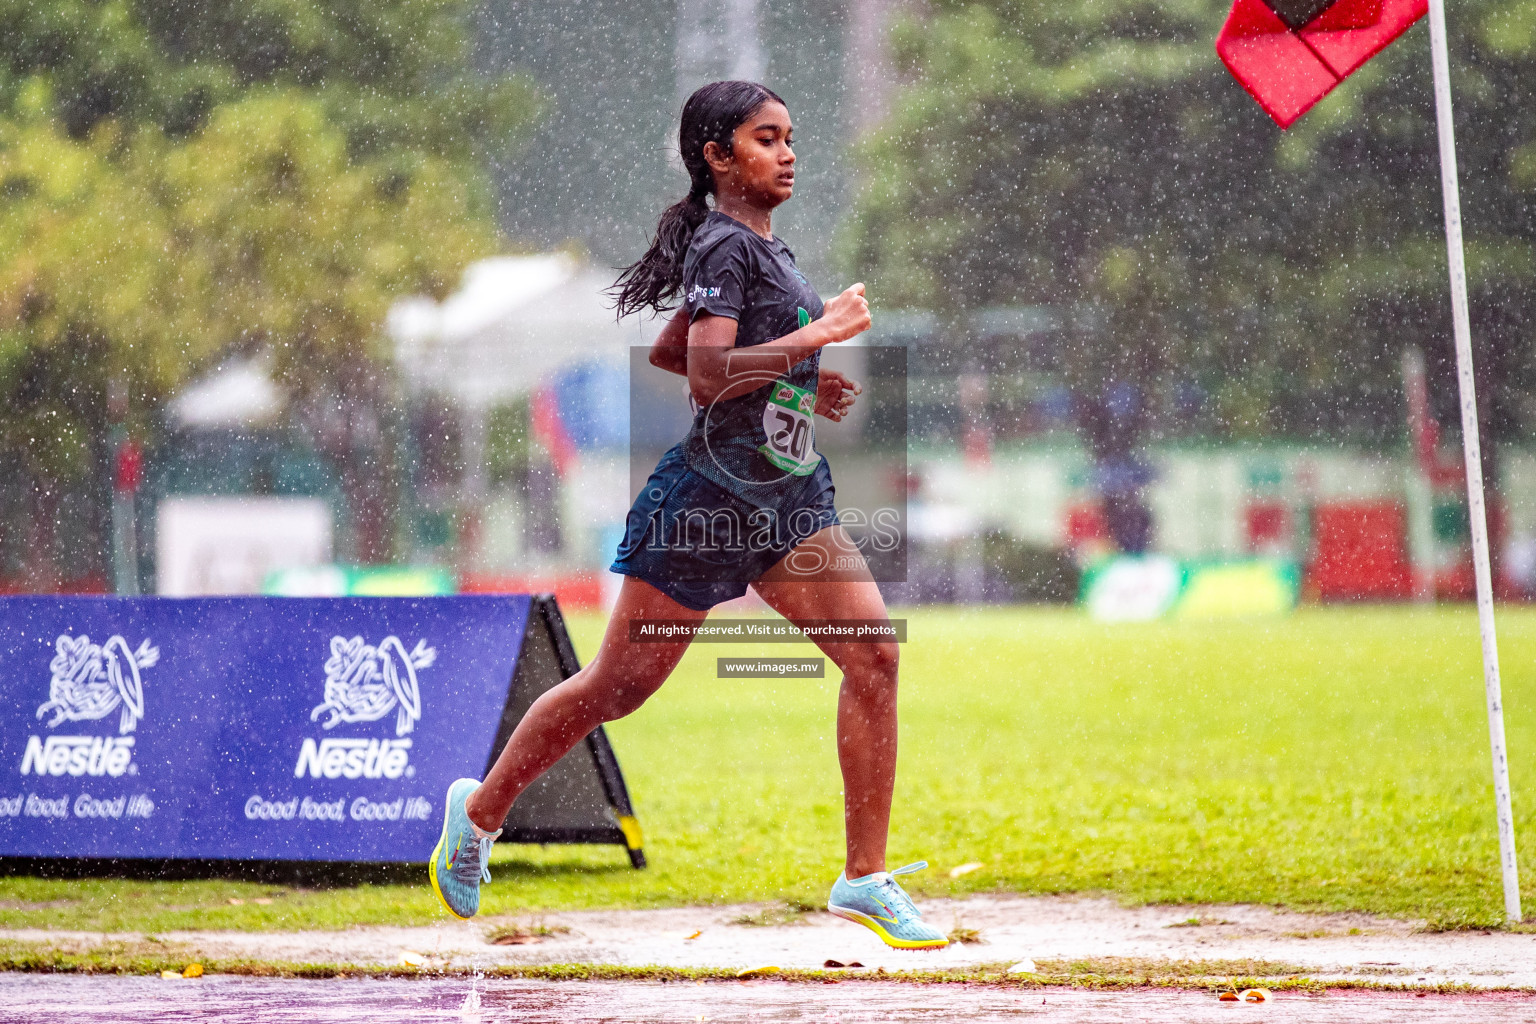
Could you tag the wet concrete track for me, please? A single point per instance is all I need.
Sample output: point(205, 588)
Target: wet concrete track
point(25, 999)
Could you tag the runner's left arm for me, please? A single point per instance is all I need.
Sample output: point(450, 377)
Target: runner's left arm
point(717, 369)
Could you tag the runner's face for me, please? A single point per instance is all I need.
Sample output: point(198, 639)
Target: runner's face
point(761, 168)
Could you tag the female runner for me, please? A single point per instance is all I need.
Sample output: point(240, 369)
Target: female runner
point(743, 500)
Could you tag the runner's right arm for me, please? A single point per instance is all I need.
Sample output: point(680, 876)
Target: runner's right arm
point(670, 349)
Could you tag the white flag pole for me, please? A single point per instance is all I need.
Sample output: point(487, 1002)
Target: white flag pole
point(1472, 451)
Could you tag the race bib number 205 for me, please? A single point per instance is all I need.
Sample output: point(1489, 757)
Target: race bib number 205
point(789, 425)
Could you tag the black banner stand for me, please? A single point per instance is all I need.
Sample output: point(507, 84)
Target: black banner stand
point(582, 798)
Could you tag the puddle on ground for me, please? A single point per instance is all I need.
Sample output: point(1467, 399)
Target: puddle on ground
point(48, 999)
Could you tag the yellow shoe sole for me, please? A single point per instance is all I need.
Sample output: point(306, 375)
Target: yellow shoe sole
point(432, 871)
point(849, 914)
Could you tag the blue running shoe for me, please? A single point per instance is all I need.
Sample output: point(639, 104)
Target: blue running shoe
point(879, 904)
point(459, 864)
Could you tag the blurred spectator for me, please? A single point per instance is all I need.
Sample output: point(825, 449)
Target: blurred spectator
point(1113, 422)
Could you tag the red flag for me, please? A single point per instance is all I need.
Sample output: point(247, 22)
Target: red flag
point(1289, 54)
point(130, 466)
point(549, 428)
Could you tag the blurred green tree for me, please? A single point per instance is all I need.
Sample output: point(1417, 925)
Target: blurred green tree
point(180, 179)
point(1097, 158)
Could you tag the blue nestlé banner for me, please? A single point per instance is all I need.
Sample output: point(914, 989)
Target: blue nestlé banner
point(245, 728)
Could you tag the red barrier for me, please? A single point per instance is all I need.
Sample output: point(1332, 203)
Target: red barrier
point(573, 590)
point(1360, 552)
point(94, 583)
point(1085, 524)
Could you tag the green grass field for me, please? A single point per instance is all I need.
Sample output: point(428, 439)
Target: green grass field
point(1337, 759)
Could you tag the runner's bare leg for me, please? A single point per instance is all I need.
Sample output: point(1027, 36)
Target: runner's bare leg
point(614, 684)
point(826, 578)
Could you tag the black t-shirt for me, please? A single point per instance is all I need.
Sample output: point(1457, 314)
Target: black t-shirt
point(763, 441)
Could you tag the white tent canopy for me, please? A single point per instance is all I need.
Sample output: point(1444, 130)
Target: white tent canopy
point(238, 394)
point(513, 321)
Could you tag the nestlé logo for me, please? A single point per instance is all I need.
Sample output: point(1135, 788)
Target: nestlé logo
point(89, 682)
point(363, 683)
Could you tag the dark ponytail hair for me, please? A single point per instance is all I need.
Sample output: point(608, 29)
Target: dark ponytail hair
point(712, 114)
